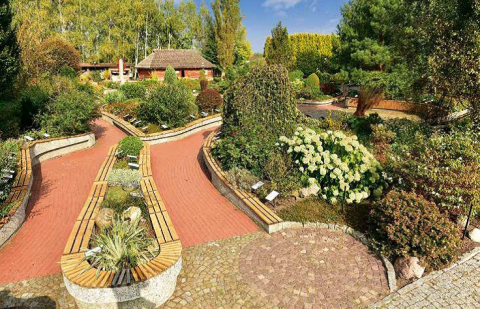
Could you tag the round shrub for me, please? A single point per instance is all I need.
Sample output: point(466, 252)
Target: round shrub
point(169, 104)
point(57, 53)
point(405, 224)
point(170, 75)
point(295, 75)
point(209, 100)
point(133, 90)
point(312, 81)
point(129, 146)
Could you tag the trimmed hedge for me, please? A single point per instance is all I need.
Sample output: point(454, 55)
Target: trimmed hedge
point(129, 146)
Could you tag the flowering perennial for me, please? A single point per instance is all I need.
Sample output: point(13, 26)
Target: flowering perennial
point(342, 167)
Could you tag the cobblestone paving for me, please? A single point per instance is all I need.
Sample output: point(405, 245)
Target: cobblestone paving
point(42, 293)
point(458, 287)
point(307, 268)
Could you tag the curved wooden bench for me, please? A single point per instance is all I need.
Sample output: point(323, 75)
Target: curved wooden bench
point(76, 268)
point(34, 153)
point(246, 201)
point(21, 185)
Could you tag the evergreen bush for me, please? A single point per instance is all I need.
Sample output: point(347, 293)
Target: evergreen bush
point(134, 90)
point(209, 100)
point(170, 75)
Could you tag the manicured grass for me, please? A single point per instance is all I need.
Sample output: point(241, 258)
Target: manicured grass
point(316, 210)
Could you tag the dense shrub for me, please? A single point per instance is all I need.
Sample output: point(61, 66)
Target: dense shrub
point(328, 88)
point(69, 114)
point(241, 178)
point(209, 100)
point(133, 90)
point(343, 168)
point(33, 101)
point(113, 85)
point(362, 126)
point(442, 167)
point(169, 104)
point(405, 224)
point(129, 146)
point(67, 71)
point(10, 113)
point(312, 93)
point(295, 75)
point(312, 81)
point(57, 53)
point(115, 97)
point(263, 97)
point(170, 75)
point(242, 151)
point(8, 161)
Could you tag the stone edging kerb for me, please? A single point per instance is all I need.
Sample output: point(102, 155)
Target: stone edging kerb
point(35, 153)
point(165, 136)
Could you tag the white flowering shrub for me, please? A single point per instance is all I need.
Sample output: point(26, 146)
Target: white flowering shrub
point(342, 167)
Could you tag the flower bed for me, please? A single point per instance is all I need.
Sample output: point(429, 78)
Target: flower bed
point(122, 202)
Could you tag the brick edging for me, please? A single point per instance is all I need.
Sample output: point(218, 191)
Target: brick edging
point(391, 277)
point(409, 287)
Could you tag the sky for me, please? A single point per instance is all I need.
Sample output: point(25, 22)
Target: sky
point(312, 16)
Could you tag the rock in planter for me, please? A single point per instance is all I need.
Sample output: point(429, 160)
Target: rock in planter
point(408, 268)
point(104, 218)
point(312, 190)
point(133, 214)
point(474, 235)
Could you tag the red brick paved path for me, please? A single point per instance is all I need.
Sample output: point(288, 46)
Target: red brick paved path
point(59, 190)
point(199, 212)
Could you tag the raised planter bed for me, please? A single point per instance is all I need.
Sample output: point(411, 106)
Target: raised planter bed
point(168, 135)
point(148, 285)
point(319, 102)
point(32, 155)
point(245, 201)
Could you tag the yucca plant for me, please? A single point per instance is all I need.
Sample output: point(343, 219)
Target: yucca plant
point(124, 245)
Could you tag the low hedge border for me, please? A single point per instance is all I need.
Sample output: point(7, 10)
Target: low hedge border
point(168, 135)
point(32, 155)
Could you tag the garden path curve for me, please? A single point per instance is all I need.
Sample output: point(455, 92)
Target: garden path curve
point(198, 211)
point(60, 188)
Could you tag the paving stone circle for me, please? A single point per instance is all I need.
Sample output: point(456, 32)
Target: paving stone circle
point(313, 267)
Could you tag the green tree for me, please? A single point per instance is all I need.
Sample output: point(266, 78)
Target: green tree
point(441, 39)
point(243, 48)
point(170, 76)
point(9, 51)
point(281, 50)
point(226, 24)
point(367, 32)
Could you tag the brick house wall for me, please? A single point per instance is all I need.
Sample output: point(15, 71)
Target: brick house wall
point(160, 74)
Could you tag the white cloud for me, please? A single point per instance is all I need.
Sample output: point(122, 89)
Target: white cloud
point(280, 5)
